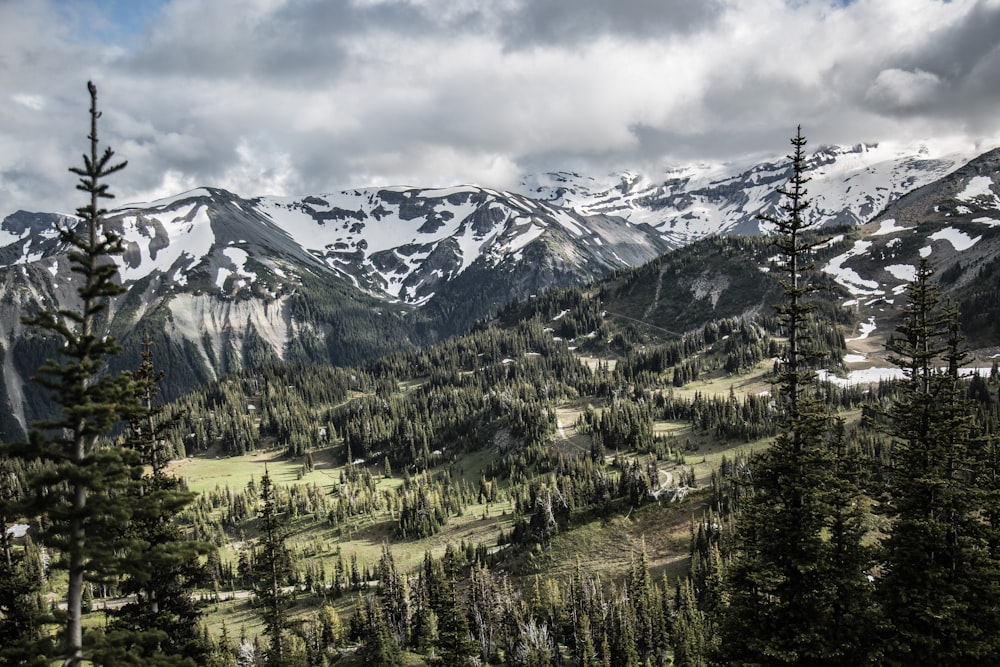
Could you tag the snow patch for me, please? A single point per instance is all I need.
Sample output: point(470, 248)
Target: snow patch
point(978, 186)
point(849, 278)
point(960, 240)
point(888, 226)
point(192, 237)
point(18, 530)
point(876, 375)
point(866, 329)
point(902, 272)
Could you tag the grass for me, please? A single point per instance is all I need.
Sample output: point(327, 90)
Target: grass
point(606, 544)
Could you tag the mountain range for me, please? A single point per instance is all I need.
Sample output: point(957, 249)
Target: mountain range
point(222, 282)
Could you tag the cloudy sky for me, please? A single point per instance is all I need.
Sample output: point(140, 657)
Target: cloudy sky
point(311, 96)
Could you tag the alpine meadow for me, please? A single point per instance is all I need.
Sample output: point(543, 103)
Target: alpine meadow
point(719, 419)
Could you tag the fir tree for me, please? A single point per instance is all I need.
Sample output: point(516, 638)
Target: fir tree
point(77, 486)
point(272, 566)
point(163, 569)
point(454, 642)
point(788, 578)
point(380, 648)
point(938, 592)
point(21, 581)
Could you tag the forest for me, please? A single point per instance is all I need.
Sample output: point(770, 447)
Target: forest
point(858, 525)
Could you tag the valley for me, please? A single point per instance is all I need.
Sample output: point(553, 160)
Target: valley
point(401, 472)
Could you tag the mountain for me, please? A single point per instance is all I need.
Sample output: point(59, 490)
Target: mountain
point(848, 186)
point(954, 224)
point(223, 282)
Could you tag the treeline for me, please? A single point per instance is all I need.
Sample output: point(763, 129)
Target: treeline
point(784, 569)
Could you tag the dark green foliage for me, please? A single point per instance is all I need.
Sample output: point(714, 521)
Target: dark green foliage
point(790, 582)
point(77, 486)
point(163, 569)
point(938, 591)
point(979, 304)
point(22, 612)
point(271, 567)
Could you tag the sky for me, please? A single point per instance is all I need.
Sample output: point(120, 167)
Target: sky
point(295, 97)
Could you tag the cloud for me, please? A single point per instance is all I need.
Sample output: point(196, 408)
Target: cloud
point(543, 23)
point(305, 96)
point(901, 90)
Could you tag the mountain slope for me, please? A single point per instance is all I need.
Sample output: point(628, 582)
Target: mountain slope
point(224, 282)
point(848, 186)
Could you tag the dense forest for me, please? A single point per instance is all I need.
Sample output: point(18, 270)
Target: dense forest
point(858, 525)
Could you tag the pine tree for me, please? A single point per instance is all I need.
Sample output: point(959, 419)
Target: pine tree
point(163, 569)
point(788, 578)
point(21, 581)
point(77, 485)
point(454, 641)
point(938, 591)
point(691, 630)
point(272, 566)
point(381, 648)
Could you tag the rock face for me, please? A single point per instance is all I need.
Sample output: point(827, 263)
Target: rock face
point(223, 282)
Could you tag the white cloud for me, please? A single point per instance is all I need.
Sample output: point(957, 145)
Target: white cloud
point(896, 89)
point(33, 102)
point(311, 96)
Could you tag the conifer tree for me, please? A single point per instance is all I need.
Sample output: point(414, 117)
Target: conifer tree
point(21, 615)
point(787, 578)
point(381, 648)
point(454, 642)
point(272, 566)
point(163, 568)
point(76, 486)
point(938, 591)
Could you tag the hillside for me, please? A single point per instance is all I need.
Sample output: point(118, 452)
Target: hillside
point(601, 420)
point(225, 282)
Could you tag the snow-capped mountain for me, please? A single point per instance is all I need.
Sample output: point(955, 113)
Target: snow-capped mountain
point(953, 224)
point(404, 244)
point(225, 281)
point(340, 277)
point(847, 186)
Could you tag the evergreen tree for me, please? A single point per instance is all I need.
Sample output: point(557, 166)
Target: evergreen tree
point(77, 485)
point(21, 581)
point(788, 578)
point(938, 591)
point(454, 641)
point(380, 648)
point(163, 569)
point(272, 566)
point(691, 640)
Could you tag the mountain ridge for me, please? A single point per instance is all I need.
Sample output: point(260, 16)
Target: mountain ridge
point(226, 281)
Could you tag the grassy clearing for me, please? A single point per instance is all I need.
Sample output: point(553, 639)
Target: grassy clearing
point(605, 544)
point(205, 472)
point(608, 545)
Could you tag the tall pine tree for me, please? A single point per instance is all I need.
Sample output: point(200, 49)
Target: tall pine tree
point(789, 579)
point(163, 568)
point(938, 592)
point(272, 567)
point(77, 485)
